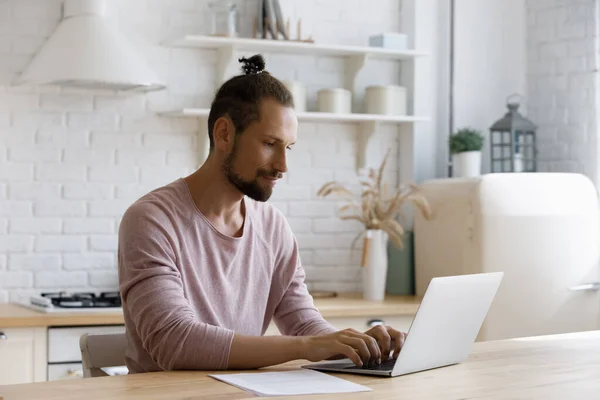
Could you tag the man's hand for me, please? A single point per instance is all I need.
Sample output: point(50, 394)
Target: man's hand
point(388, 339)
point(373, 346)
point(360, 348)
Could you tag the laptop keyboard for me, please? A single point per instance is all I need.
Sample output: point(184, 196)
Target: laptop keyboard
point(384, 366)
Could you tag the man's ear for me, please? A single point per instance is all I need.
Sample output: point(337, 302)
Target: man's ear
point(224, 134)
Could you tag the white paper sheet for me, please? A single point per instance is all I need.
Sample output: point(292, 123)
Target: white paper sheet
point(288, 383)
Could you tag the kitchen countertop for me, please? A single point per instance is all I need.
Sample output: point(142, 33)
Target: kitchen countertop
point(353, 305)
point(17, 316)
point(345, 305)
point(545, 367)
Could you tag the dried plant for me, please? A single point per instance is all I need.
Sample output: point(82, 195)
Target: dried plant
point(376, 208)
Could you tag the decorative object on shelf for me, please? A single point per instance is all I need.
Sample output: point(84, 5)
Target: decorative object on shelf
point(224, 20)
point(378, 211)
point(334, 100)
point(512, 141)
point(465, 147)
point(270, 21)
point(298, 90)
point(385, 100)
point(299, 38)
point(279, 21)
point(389, 40)
point(259, 21)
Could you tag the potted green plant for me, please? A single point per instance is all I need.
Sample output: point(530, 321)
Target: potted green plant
point(465, 147)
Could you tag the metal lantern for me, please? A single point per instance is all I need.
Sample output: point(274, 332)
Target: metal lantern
point(512, 141)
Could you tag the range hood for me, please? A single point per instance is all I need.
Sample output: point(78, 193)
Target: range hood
point(86, 52)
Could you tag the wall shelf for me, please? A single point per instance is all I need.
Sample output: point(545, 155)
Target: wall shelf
point(287, 46)
point(311, 116)
point(369, 124)
point(356, 57)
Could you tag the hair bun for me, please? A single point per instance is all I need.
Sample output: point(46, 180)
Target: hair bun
point(253, 65)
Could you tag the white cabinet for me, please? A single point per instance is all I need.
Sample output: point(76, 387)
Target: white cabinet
point(57, 372)
point(64, 354)
point(22, 355)
point(63, 342)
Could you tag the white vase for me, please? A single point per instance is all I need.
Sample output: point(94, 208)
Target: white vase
point(466, 164)
point(375, 267)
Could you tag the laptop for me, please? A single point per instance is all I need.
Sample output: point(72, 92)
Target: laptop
point(443, 331)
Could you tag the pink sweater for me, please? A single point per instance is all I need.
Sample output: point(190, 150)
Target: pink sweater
point(186, 288)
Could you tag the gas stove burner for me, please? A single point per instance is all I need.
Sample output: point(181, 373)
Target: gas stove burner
point(84, 299)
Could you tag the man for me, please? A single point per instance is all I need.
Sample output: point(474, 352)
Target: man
point(205, 263)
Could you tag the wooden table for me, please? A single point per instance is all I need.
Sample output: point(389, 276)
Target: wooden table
point(547, 367)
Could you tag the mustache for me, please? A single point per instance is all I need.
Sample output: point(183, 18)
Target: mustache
point(271, 174)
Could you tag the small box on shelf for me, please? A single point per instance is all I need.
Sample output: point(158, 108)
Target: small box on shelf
point(389, 40)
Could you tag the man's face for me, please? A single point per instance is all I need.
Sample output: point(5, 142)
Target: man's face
point(259, 158)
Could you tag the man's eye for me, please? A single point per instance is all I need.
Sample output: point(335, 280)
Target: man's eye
point(289, 147)
point(270, 143)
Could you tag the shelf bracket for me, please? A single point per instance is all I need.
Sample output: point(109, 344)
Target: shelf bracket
point(225, 64)
point(366, 148)
point(354, 64)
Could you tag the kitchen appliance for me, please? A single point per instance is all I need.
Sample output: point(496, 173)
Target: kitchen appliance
point(74, 302)
point(541, 229)
point(86, 52)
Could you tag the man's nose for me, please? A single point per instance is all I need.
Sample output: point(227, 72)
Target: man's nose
point(281, 162)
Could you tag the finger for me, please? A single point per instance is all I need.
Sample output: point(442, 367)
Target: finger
point(373, 347)
point(360, 345)
point(384, 340)
point(349, 352)
point(370, 342)
point(398, 339)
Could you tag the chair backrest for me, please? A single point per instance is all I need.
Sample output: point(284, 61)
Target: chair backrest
point(102, 351)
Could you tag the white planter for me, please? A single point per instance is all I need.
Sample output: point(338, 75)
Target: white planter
point(466, 164)
point(376, 265)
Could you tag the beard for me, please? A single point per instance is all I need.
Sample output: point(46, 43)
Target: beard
point(251, 188)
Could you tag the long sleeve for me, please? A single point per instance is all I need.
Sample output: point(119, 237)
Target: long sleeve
point(296, 314)
point(153, 297)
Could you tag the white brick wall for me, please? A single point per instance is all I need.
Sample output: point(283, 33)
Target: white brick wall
point(71, 161)
point(563, 84)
